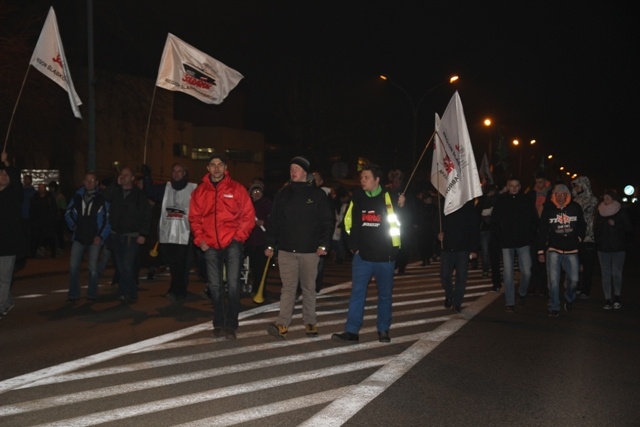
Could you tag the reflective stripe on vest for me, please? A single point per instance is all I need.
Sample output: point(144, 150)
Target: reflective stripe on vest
point(392, 218)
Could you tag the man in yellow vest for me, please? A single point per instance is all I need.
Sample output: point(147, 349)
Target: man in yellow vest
point(374, 235)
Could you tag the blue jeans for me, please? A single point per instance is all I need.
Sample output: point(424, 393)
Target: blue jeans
point(450, 261)
point(226, 306)
point(362, 271)
point(611, 264)
point(75, 261)
point(524, 265)
point(556, 262)
point(125, 252)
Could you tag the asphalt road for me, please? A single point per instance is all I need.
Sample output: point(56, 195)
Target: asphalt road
point(156, 363)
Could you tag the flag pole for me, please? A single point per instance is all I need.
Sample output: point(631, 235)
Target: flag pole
point(418, 163)
point(146, 135)
point(4, 148)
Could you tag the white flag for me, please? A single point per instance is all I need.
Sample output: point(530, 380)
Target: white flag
point(454, 172)
point(49, 59)
point(185, 69)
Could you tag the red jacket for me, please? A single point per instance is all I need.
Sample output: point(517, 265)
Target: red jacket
point(222, 213)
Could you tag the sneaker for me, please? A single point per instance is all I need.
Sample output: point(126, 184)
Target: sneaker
point(278, 331)
point(171, 296)
point(311, 330)
point(447, 302)
point(384, 336)
point(568, 306)
point(229, 334)
point(522, 300)
point(510, 309)
point(457, 308)
point(584, 297)
point(218, 332)
point(346, 337)
point(496, 289)
point(72, 300)
point(554, 313)
point(617, 305)
point(607, 305)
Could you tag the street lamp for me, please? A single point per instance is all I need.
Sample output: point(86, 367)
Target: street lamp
point(517, 143)
point(415, 108)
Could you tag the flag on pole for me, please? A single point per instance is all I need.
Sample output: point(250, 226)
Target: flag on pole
point(454, 172)
point(49, 59)
point(184, 68)
point(485, 170)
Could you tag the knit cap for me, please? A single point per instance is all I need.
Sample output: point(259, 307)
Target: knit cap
point(302, 162)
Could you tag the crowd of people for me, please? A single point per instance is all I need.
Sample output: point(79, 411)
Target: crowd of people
point(553, 234)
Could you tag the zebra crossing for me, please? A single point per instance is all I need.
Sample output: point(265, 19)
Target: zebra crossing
point(188, 378)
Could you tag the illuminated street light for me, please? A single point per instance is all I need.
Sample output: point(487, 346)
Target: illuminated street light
point(517, 143)
point(415, 108)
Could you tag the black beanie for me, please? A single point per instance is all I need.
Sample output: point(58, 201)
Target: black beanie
point(302, 162)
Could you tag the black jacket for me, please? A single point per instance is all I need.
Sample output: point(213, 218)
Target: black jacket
point(301, 219)
point(130, 214)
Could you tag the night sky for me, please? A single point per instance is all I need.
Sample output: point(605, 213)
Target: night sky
point(564, 73)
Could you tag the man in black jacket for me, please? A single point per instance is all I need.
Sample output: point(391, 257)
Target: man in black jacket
point(10, 229)
point(514, 222)
point(130, 219)
point(301, 225)
point(460, 237)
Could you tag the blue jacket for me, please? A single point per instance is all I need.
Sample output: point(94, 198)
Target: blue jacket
point(87, 218)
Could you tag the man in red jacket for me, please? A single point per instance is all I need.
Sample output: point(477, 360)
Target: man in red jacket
point(222, 216)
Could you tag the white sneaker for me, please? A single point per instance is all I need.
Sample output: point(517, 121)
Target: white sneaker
point(617, 305)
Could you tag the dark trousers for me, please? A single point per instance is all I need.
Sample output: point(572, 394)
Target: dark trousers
point(179, 258)
point(587, 256)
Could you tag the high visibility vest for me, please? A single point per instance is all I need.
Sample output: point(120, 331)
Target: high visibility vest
point(394, 222)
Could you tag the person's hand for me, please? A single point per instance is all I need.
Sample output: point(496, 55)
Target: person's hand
point(401, 200)
point(268, 252)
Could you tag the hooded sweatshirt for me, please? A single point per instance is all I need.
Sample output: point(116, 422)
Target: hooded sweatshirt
point(562, 226)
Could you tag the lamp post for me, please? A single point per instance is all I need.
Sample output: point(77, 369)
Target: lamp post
point(415, 108)
point(517, 143)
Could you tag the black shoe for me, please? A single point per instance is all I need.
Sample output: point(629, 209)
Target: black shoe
point(457, 308)
point(72, 300)
point(496, 288)
point(384, 336)
point(218, 332)
point(568, 306)
point(230, 334)
point(346, 337)
point(522, 300)
point(511, 309)
point(447, 302)
point(554, 313)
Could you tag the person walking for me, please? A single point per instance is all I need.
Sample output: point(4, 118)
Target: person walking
point(222, 216)
point(374, 234)
point(300, 227)
point(460, 238)
point(11, 227)
point(561, 230)
point(583, 195)
point(514, 223)
point(612, 226)
point(174, 230)
point(130, 220)
point(87, 218)
point(43, 214)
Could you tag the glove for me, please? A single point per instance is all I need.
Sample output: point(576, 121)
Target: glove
point(146, 170)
